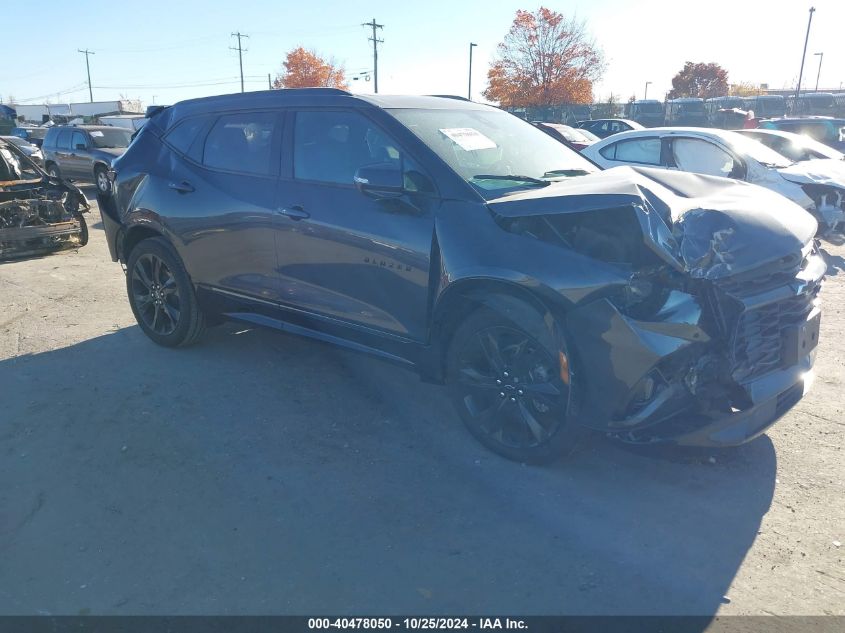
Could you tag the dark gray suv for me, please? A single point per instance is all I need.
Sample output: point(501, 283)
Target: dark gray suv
point(84, 152)
point(459, 241)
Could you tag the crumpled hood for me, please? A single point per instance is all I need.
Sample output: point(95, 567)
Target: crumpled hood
point(706, 226)
point(820, 171)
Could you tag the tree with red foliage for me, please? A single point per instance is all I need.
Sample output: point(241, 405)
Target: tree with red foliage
point(700, 80)
point(545, 59)
point(306, 69)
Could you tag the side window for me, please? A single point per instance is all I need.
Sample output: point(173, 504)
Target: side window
point(639, 150)
point(63, 140)
point(242, 142)
point(78, 139)
point(609, 152)
point(702, 157)
point(183, 136)
point(331, 146)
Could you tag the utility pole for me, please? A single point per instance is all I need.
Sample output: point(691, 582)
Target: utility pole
point(375, 42)
point(88, 68)
point(269, 83)
point(469, 88)
point(806, 39)
point(645, 93)
point(821, 59)
point(240, 50)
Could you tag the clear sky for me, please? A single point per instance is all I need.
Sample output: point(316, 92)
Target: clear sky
point(165, 50)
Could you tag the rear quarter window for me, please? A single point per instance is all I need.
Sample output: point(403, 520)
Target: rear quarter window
point(184, 137)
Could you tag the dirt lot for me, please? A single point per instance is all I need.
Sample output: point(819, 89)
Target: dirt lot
point(261, 473)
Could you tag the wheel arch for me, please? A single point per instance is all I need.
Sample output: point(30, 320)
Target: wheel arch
point(464, 297)
point(131, 236)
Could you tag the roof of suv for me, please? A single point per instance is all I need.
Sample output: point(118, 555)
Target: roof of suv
point(310, 97)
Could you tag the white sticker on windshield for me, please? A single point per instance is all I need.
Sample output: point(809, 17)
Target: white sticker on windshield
point(468, 138)
point(96, 133)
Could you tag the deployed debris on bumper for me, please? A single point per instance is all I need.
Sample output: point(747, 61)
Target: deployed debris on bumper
point(38, 214)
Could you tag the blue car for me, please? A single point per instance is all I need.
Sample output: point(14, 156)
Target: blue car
point(827, 130)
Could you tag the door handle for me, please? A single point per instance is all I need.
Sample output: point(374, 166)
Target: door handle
point(295, 212)
point(181, 187)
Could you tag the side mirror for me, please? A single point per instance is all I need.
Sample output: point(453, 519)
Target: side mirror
point(380, 180)
point(81, 146)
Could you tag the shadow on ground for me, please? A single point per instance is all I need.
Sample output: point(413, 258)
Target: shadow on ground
point(260, 473)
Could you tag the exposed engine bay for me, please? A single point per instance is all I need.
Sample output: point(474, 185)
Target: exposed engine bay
point(38, 214)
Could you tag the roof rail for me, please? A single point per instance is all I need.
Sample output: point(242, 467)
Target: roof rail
point(315, 90)
point(451, 97)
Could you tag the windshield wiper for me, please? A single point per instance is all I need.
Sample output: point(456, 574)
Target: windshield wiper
point(565, 172)
point(514, 177)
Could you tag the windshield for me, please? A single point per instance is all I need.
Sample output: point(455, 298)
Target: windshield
point(108, 139)
point(650, 108)
point(757, 151)
point(492, 150)
point(770, 106)
point(691, 107)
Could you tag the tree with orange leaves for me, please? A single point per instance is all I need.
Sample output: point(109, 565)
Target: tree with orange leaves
point(545, 59)
point(306, 69)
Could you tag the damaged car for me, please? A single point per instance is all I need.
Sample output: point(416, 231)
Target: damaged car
point(817, 185)
point(457, 240)
point(38, 214)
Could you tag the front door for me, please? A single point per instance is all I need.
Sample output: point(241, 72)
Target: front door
point(343, 254)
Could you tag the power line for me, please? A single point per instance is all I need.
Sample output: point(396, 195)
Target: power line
point(374, 39)
point(240, 50)
point(88, 68)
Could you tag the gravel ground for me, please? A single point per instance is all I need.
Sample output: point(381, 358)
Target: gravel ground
point(262, 473)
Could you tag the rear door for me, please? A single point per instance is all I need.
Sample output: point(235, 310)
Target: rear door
point(61, 151)
point(220, 189)
point(78, 164)
point(344, 255)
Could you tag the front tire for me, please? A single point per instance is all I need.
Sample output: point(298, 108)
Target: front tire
point(506, 384)
point(53, 171)
point(161, 294)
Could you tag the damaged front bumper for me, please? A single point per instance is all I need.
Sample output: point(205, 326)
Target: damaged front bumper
point(712, 368)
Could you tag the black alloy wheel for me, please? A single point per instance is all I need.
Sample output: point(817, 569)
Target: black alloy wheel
point(162, 295)
point(508, 389)
point(155, 294)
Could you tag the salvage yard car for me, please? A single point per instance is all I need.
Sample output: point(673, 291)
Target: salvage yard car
point(816, 185)
point(38, 214)
point(795, 147)
point(460, 241)
point(84, 152)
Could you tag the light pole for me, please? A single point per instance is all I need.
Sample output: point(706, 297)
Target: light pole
point(804, 54)
point(469, 86)
point(645, 92)
point(819, 74)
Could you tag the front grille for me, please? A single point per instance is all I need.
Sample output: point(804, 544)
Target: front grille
point(759, 335)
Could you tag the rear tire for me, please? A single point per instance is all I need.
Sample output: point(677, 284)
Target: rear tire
point(506, 384)
point(161, 294)
point(101, 178)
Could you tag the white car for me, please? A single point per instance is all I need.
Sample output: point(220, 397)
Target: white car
point(795, 147)
point(817, 185)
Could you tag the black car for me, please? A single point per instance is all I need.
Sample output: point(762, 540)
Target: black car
point(607, 127)
point(84, 152)
point(462, 242)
